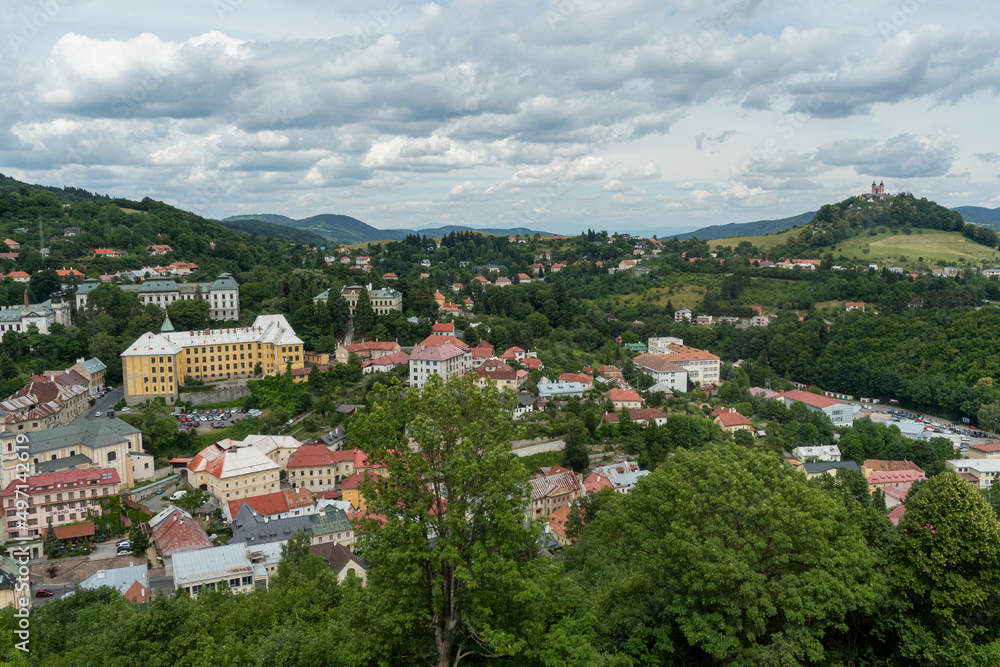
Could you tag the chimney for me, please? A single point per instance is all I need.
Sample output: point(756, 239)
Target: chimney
point(25, 298)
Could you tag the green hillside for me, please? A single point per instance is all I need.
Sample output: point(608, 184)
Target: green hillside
point(747, 229)
point(267, 228)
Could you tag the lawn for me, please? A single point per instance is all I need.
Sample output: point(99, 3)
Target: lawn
point(687, 292)
point(907, 250)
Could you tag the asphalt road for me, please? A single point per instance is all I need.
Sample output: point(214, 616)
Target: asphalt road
point(104, 404)
point(163, 584)
point(554, 446)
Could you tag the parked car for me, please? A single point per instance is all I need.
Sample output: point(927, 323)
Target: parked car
point(43, 593)
point(98, 413)
point(160, 491)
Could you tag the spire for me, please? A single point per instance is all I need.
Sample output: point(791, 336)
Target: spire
point(167, 327)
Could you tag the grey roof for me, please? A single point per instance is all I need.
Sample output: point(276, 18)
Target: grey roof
point(322, 296)
point(191, 567)
point(63, 463)
point(823, 466)
point(92, 433)
point(119, 578)
point(253, 529)
point(93, 365)
point(225, 281)
point(546, 389)
point(157, 285)
point(330, 520)
point(87, 286)
point(335, 436)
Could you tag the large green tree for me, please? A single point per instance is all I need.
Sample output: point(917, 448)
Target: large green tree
point(446, 536)
point(189, 314)
point(726, 555)
point(364, 316)
point(947, 573)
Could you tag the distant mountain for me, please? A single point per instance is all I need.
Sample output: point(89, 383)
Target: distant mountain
point(268, 228)
point(345, 229)
point(978, 215)
point(758, 228)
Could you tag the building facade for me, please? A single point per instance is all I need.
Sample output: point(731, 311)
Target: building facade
point(228, 470)
point(155, 365)
point(383, 301)
point(446, 360)
point(222, 295)
point(56, 499)
point(43, 315)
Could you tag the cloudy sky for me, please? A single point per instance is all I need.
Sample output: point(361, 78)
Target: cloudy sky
point(631, 115)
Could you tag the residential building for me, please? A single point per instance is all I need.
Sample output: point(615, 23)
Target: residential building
point(155, 365)
point(609, 372)
point(839, 412)
point(43, 405)
point(645, 416)
point(980, 472)
point(445, 360)
point(622, 476)
point(55, 310)
point(554, 488)
point(385, 363)
point(222, 295)
point(682, 314)
point(730, 420)
point(331, 526)
point(497, 373)
point(886, 479)
point(228, 470)
point(131, 582)
point(833, 468)
point(312, 467)
point(83, 443)
point(158, 249)
point(661, 345)
point(986, 450)
point(177, 532)
point(819, 453)
point(56, 499)
point(107, 252)
point(227, 565)
point(277, 505)
point(278, 448)
point(667, 376)
point(443, 329)
point(701, 366)
point(350, 489)
point(586, 380)
point(341, 560)
point(372, 349)
point(94, 371)
point(624, 398)
point(253, 528)
point(383, 301)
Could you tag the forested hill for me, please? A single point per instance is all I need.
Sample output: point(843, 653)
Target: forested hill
point(757, 228)
point(265, 229)
point(834, 223)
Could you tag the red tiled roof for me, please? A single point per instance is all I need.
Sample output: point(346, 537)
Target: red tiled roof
point(623, 395)
point(595, 482)
point(444, 326)
point(68, 479)
point(881, 464)
point(896, 514)
point(434, 341)
point(733, 418)
point(895, 476)
point(986, 447)
point(310, 456)
point(645, 414)
point(179, 533)
point(279, 502)
point(814, 400)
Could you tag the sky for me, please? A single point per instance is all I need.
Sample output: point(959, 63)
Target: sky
point(642, 116)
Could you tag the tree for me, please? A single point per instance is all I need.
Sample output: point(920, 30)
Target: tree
point(192, 500)
point(139, 540)
point(989, 417)
point(364, 316)
point(340, 313)
point(43, 284)
point(52, 542)
point(447, 547)
point(189, 314)
point(724, 555)
point(575, 455)
point(947, 571)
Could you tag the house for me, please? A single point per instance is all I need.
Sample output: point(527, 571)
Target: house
point(811, 454)
point(178, 533)
point(457, 287)
point(766, 393)
point(131, 582)
point(624, 398)
point(730, 420)
point(596, 482)
point(814, 470)
point(610, 372)
point(979, 472)
point(70, 232)
point(229, 470)
point(278, 505)
point(555, 487)
point(502, 282)
point(227, 565)
point(158, 249)
point(497, 373)
point(70, 274)
point(701, 366)
point(445, 360)
point(385, 363)
point(341, 560)
point(523, 278)
point(586, 380)
point(443, 329)
point(312, 467)
point(12, 244)
point(56, 499)
point(854, 305)
point(532, 363)
point(350, 489)
point(986, 450)
point(19, 276)
point(622, 476)
point(335, 438)
point(760, 321)
point(525, 405)
point(390, 277)
point(645, 416)
point(372, 349)
point(330, 525)
point(667, 376)
point(107, 252)
point(839, 412)
point(44, 403)
point(682, 314)
point(887, 479)
point(253, 528)
point(556, 525)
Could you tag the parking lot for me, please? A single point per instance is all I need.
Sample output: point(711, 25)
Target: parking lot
point(199, 418)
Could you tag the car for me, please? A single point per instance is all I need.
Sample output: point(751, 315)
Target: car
point(160, 491)
point(126, 409)
point(43, 593)
point(98, 413)
point(124, 544)
point(289, 422)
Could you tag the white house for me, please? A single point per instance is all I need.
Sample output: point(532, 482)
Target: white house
point(668, 376)
point(813, 454)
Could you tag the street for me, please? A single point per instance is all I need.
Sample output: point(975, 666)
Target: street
point(102, 405)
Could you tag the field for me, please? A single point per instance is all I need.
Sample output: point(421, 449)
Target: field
point(909, 250)
point(762, 242)
point(687, 294)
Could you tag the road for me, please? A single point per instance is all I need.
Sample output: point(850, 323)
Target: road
point(104, 404)
point(554, 446)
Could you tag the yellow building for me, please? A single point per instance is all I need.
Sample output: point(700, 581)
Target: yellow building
point(155, 365)
point(229, 470)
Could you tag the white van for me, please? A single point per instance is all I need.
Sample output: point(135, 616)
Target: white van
point(178, 495)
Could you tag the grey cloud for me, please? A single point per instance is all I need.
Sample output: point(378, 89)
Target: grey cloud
point(902, 156)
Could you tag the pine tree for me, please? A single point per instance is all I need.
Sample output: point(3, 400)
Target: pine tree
point(364, 316)
point(51, 541)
